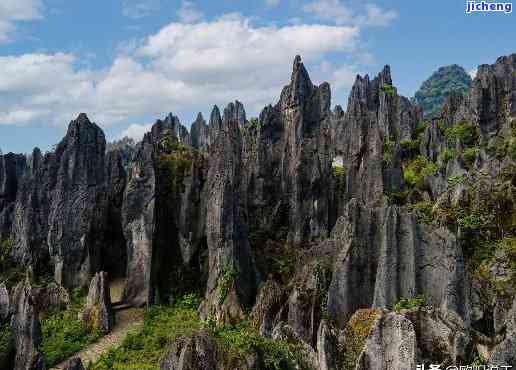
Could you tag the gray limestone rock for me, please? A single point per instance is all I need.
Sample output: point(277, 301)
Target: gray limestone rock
point(391, 345)
point(26, 329)
point(98, 313)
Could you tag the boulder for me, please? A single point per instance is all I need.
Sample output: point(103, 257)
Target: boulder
point(391, 345)
point(196, 352)
point(73, 364)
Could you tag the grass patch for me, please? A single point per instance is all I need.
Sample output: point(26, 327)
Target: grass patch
point(64, 334)
point(409, 303)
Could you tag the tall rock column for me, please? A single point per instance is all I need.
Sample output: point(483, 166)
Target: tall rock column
point(138, 223)
point(77, 208)
point(232, 277)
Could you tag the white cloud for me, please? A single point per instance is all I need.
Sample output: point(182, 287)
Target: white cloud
point(139, 8)
point(332, 10)
point(473, 73)
point(182, 68)
point(337, 12)
point(188, 12)
point(272, 3)
point(12, 11)
point(135, 131)
point(379, 17)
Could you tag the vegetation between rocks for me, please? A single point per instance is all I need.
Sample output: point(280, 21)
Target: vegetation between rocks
point(63, 334)
point(143, 349)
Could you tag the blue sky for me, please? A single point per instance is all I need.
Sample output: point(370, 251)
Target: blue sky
point(128, 62)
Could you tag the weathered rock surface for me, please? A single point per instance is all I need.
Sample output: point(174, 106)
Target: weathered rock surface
point(98, 313)
point(391, 345)
point(442, 336)
point(197, 352)
point(26, 329)
point(200, 133)
point(138, 223)
point(74, 364)
point(293, 161)
point(390, 256)
point(12, 167)
point(504, 354)
point(232, 277)
point(4, 302)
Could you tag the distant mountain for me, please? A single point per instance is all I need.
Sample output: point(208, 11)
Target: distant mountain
point(444, 81)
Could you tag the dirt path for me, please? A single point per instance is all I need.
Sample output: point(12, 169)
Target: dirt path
point(126, 320)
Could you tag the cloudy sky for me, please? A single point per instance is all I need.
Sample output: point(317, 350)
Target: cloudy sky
point(128, 62)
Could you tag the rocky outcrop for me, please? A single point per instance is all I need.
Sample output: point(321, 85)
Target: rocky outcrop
point(26, 329)
point(12, 167)
point(292, 162)
point(138, 223)
point(391, 345)
point(367, 136)
point(4, 302)
point(269, 300)
point(51, 297)
point(200, 133)
point(32, 208)
point(73, 364)
point(326, 347)
point(232, 277)
point(442, 336)
point(504, 354)
point(98, 313)
point(76, 210)
point(390, 256)
point(196, 352)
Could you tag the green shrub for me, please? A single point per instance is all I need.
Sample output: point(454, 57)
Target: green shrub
point(235, 342)
point(471, 221)
point(409, 303)
point(420, 128)
point(398, 197)
point(388, 151)
point(454, 180)
point(416, 170)
point(469, 156)
point(410, 144)
point(463, 132)
point(446, 155)
point(6, 339)
point(423, 211)
point(229, 274)
point(389, 89)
